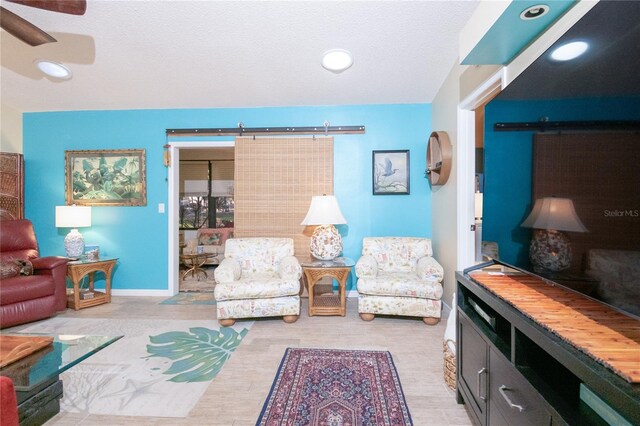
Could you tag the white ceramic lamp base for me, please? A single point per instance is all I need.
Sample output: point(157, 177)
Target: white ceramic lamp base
point(550, 250)
point(74, 243)
point(326, 243)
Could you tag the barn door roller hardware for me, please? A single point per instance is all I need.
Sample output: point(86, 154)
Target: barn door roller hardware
point(241, 130)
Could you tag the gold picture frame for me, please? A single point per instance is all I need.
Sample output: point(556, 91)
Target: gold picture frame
point(115, 177)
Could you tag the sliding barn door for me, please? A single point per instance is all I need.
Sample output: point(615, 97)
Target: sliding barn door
point(275, 179)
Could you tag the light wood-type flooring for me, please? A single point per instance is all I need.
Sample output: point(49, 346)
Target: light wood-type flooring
point(235, 397)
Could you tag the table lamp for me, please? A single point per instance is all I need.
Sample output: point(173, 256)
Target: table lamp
point(551, 218)
point(326, 242)
point(73, 217)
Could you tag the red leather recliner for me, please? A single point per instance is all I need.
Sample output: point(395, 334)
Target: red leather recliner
point(32, 297)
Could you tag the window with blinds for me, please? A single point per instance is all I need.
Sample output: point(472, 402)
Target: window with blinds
point(275, 179)
point(203, 185)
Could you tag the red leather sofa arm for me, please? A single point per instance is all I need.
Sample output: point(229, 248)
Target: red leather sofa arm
point(49, 262)
point(56, 266)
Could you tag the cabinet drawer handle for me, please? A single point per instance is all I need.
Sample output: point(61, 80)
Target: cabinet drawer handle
point(480, 373)
point(502, 390)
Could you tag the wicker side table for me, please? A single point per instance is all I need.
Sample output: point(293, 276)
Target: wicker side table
point(338, 269)
point(77, 270)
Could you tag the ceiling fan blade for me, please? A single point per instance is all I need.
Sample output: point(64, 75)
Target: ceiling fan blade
point(24, 30)
point(72, 7)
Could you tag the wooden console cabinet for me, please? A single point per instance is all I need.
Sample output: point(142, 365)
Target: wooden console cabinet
point(513, 371)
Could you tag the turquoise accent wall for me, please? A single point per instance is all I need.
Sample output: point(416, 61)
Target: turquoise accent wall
point(508, 156)
point(138, 235)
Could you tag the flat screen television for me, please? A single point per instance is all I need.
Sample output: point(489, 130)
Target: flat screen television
point(575, 134)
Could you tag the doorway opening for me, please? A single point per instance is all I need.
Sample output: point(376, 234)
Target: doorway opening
point(470, 117)
point(200, 209)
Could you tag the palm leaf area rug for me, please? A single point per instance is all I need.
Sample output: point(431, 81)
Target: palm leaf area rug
point(160, 368)
point(335, 388)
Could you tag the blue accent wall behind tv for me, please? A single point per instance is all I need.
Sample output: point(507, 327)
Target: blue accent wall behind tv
point(138, 235)
point(507, 162)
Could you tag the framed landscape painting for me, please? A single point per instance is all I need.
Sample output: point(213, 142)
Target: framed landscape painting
point(390, 172)
point(106, 177)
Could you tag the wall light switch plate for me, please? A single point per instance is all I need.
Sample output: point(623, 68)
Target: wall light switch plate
point(160, 207)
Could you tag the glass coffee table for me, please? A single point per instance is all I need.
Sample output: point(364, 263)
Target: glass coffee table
point(194, 264)
point(36, 376)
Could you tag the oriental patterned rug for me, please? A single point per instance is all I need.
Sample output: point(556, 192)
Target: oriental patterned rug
point(335, 387)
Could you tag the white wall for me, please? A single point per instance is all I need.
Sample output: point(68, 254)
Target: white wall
point(10, 129)
point(443, 198)
point(448, 218)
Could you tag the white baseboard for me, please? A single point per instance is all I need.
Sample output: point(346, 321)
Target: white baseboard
point(144, 293)
point(166, 293)
point(350, 293)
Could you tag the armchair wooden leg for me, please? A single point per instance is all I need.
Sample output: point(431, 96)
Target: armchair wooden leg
point(367, 317)
point(227, 322)
point(289, 319)
point(431, 320)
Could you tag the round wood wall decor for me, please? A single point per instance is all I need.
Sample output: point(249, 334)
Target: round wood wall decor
point(438, 158)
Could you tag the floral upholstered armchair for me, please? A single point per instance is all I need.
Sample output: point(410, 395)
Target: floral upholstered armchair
point(259, 277)
point(398, 276)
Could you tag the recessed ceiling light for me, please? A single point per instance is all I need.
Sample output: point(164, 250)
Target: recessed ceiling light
point(534, 12)
point(337, 60)
point(53, 69)
point(569, 51)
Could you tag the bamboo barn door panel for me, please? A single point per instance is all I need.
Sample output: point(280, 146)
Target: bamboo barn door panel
point(275, 179)
point(11, 186)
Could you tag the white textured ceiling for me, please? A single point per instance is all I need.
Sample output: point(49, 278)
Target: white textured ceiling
point(204, 54)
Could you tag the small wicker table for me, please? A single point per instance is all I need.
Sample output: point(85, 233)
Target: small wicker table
point(338, 269)
point(77, 270)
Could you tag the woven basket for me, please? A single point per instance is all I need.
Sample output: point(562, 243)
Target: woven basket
point(449, 365)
